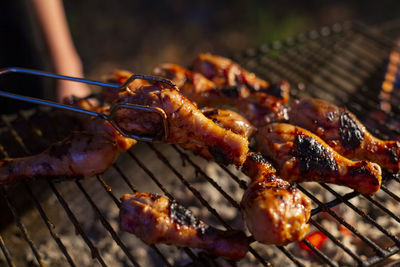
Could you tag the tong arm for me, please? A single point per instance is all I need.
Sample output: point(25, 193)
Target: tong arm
point(52, 104)
point(55, 76)
point(114, 109)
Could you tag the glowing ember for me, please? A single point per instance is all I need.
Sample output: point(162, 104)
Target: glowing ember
point(317, 239)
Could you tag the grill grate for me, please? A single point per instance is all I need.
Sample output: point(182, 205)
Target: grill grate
point(343, 64)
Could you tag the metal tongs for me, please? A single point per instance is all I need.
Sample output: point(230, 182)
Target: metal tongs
point(113, 110)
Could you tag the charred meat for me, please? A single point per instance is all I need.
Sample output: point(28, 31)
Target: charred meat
point(344, 133)
point(83, 154)
point(301, 156)
point(155, 219)
point(274, 211)
point(253, 97)
point(187, 126)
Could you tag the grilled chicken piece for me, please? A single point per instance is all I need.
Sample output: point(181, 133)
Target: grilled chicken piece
point(274, 211)
point(187, 126)
point(110, 94)
point(301, 156)
point(230, 120)
point(155, 219)
point(193, 85)
point(344, 133)
point(259, 101)
point(83, 154)
point(224, 72)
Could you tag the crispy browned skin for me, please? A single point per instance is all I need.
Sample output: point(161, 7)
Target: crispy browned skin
point(155, 219)
point(230, 120)
point(224, 72)
point(83, 154)
point(187, 126)
point(274, 211)
point(258, 100)
point(110, 94)
point(193, 85)
point(301, 156)
point(344, 133)
point(261, 102)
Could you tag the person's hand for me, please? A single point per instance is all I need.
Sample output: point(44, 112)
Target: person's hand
point(58, 38)
point(67, 89)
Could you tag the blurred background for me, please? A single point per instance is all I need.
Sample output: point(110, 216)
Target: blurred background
point(139, 34)
point(136, 35)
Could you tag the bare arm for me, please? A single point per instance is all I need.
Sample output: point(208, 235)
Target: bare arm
point(64, 57)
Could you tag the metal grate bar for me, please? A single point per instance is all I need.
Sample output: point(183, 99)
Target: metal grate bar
point(319, 253)
point(336, 241)
point(290, 256)
point(15, 134)
point(123, 176)
point(151, 175)
point(17, 218)
point(50, 226)
point(21, 226)
point(370, 243)
point(366, 102)
point(396, 178)
point(290, 64)
point(48, 223)
point(291, 42)
point(341, 91)
point(196, 194)
point(2, 244)
point(359, 103)
point(319, 57)
point(240, 182)
point(316, 55)
point(194, 191)
point(328, 41)
point(78, 227)
point(375, 259)
point(258, 257)
point(33, 127)
point(373, 35)
point(334, 202)
point(200, 171)
point(93, 249)
point(299, 69)
point(340, 70)
point(3, 152)
point(6, 253)
point(106, 224)
point(390, 193)
point(107, 188)
point(118, 203)
point(155, 180)
point(363, 215)
point(319, 46)
point(379, 205)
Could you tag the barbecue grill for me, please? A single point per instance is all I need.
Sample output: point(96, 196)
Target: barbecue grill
point(46, 222)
